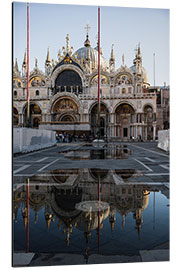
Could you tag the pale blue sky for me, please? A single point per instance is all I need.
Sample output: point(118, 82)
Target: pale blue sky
point(123, 27)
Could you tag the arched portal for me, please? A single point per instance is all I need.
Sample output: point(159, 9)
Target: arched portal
point(123, 119)
point(35, 115)
point(104, 120)
point(68, 81)
point(65, 109)
point(67, 118)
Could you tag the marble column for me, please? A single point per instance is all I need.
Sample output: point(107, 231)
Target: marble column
point(146, 133)
point(20, 119)
point(135, 131)
point(154, 131)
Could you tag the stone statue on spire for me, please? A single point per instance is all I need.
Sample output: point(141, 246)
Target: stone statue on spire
point(112, 59)
point(48, 64)
point(24, 65)
point(123, 59)
point(36, 66)
point(67, 43)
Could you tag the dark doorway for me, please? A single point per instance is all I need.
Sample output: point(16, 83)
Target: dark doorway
point(102, 126)
point(125, 132)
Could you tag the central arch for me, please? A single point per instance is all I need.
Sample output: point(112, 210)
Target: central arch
point(123, 119)
point(65, 109)
point(68, 81)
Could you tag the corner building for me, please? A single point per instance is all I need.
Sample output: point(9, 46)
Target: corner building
point(64, 97)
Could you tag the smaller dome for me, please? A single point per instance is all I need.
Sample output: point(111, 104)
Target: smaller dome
point(133, 68)
point(144, 73)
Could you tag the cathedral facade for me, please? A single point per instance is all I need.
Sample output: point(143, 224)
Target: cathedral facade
point(63, 98)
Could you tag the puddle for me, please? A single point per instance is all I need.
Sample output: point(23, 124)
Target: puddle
point(73, 210)
point(105, 152)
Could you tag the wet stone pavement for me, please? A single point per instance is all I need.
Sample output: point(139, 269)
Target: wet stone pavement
point(87, 203)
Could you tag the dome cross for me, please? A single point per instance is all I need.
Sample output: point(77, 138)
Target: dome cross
point(87, 28)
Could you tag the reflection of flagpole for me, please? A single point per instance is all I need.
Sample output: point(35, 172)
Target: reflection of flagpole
point(99, 72)
point(99, 214)
point(27, 190)
point(154, 211)
point(28, 107)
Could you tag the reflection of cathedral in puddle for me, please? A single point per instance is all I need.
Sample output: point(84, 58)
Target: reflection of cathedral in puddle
point(110, 151)
point(83, 199)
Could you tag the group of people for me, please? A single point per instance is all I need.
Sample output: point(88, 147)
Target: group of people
point(68, 138)
point(63, 137)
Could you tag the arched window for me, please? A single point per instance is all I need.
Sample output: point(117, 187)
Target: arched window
point(37, 92)
point(123, 79)
point(124, 91)
point(15, 93)
point(68, 80)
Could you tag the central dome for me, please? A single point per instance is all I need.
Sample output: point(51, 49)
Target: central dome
point(87, 51)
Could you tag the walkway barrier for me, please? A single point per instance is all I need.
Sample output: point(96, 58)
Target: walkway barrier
point(164, 140)
point(29, 139)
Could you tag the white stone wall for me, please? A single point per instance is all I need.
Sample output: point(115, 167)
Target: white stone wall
point(164, 140)
point(28, 139)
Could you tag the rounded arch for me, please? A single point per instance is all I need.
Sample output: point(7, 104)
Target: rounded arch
point(68, 81)
point(102, 103)
point(123, 76)
point(148, 105)
point(59, 96)
point(65, 108)
point(17, 82)
point(35, 114)
point(67, 117)
point(98, 174)
point(103, 128)
point(67, 67)
point(149, 117)
point(15, 108)
point(124, 103)
point(32, 103)
point(124, 113)
point(37, 92)
point(104, 78)
point(65, 103)
point(124, 108)
point(37, 80)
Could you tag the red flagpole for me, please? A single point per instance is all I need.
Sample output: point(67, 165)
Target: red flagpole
point(99, 71)
point(28, 109)
point(98, 54)
point(99, 124)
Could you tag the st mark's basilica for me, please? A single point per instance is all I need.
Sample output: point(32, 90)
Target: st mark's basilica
point(63, 98)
